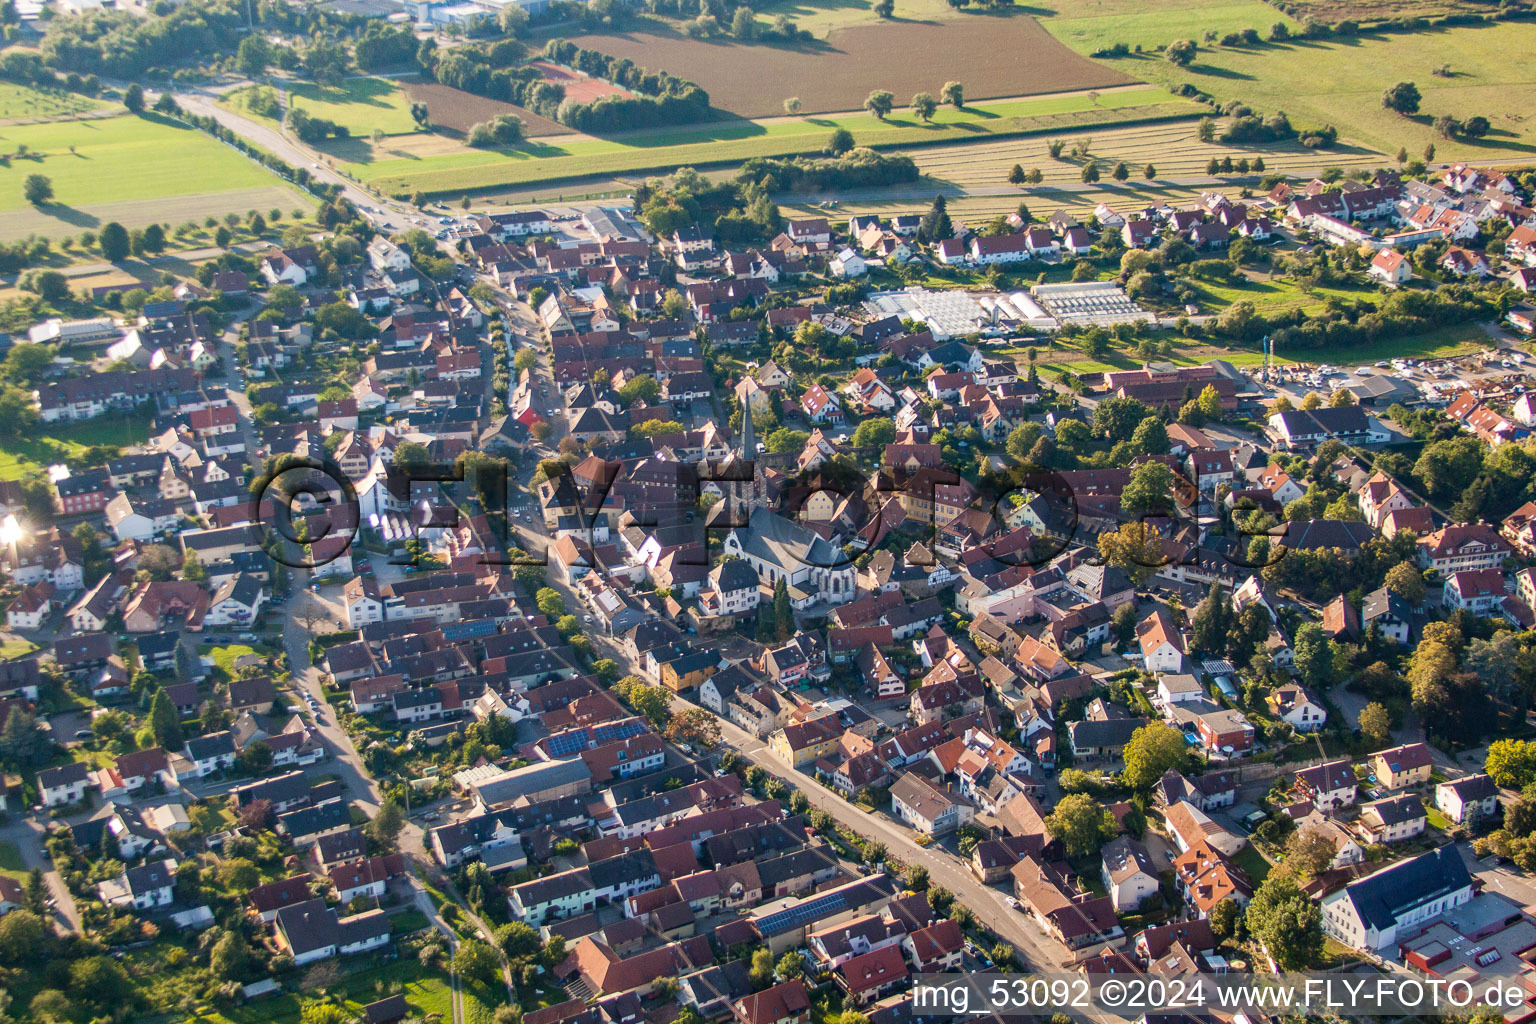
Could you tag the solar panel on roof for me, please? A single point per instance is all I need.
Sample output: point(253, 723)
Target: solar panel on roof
point(566, 744)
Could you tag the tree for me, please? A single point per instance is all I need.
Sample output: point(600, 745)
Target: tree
point(1511, 763)
point(1151, 751)
point(1121, 171)
point(1206, 131)
point(876, 432)
point(133, 98)
point(880, 103)
point(783, 614)
point(420, 114)
point(1406, 581)
point(385, 827)
point(935, 224)
point(323, 1013)
point(1476, 127)
point(1314, 655)
point(1429, 669)
point(1180, 52)
point(550, 603)
point(1017, 175)
point(1118, 418)
point(1308, 853)
point(23, 937)
point(99, 980)
point(924, 105)
point(1149, 492)
point(1223, 918)
point(696, 726)
point(165, 721)
point(1286, 920)
point(1150, 437)
point(253, 55)
point(1090, 172)
point(1402, 98)
point(1210, 402)
point(1375, 723)
point(37, 189)
point(114, 242)
point(1080, 824)
point(840, 142)
point(953, 93)
point(761, 972)
point(1135, 548)
point(1212, 622)
point(791, 966)
point(477, 961)
point(1022, 440)
point(792, 106)
point(651, 702)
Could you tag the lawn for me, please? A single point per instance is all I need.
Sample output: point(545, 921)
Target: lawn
point(426, 993)
point(22, 103)
point(1340, 82)
point(1090, 25)
point(11, 864)
point(18, 456)
point(224, 658)
point(10, 650)
point(1276, 296)
point(135, 170)
point(1253, 864)
point(436, 165)
point(1452, 340)
point(362, 104)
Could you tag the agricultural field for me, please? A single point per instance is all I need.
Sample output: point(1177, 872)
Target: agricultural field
point(458, 111)
point(21, 103)
point(1340, 81)
point(992, 54)
point(439, 165)
point(981, 169)
point(133, 170)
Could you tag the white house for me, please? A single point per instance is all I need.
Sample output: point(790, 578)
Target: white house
point(1469, 800)
point(385, 256)
point(1370, 913)
point(1162, 645)
point(848, 263)
point(311, 931)
point(143, 887)
point(1298, 706)
point(1128, 874)
point(236, 602)
point(1390, 267)
point(65, 784)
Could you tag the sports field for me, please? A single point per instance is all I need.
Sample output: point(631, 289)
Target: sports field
point(1005, 54)
point(135, 170)
point(1340, 81)
point(436, 165)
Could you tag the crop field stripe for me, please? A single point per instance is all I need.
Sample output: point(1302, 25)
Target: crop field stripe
point(472, 171)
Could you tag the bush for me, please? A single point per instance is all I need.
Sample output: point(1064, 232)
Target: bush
point(501, 130)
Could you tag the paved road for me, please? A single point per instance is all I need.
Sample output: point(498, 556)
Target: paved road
point(298, 155)
point(28, 832)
